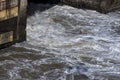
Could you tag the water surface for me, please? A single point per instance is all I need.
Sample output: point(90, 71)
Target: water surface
point(65, 43)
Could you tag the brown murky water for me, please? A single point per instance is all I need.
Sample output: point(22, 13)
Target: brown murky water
point(65, 43)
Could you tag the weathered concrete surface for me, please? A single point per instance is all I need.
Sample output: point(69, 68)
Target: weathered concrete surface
point(103, 6)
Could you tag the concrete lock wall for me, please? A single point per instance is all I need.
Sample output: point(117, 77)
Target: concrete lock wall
point(103, 6)
point(12, 21)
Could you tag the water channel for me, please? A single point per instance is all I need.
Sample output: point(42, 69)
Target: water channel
point(65, 43)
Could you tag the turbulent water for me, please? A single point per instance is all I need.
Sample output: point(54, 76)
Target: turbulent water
point(65, 43)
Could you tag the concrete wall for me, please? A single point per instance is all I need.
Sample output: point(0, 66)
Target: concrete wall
point(103, 6)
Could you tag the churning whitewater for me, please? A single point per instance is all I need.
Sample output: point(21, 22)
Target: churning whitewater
point(65, 43)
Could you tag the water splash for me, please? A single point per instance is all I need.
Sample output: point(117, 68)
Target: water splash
point(65, 43)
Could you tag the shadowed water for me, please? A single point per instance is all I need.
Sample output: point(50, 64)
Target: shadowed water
point(65, 43)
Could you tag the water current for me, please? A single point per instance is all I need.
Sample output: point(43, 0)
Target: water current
point(65, 43)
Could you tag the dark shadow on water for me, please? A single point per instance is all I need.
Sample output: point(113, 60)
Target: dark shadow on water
point(40, 5)
point(45, 1)
point(32, 8)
